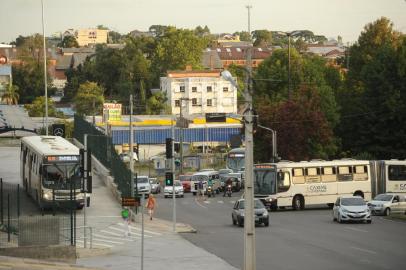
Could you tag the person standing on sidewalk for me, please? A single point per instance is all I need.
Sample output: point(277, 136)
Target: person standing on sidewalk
point(151, 203)
point(126, 215)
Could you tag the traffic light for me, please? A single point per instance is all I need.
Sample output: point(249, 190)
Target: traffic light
point(168, 179)
point(169, 153)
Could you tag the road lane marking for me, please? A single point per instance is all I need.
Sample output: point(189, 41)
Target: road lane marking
point(206, 202)
point(119, 238)
point(355, 229)
point(220, 202)
point(364, 250)
point(199, 204)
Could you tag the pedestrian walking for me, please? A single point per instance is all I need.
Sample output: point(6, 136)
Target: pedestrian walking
point(126, 215)
point(151, 204)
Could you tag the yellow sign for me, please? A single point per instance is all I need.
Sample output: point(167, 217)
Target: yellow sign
point(113, 111)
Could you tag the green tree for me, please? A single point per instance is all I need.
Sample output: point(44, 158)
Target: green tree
point(11, 96)
point(89, 99)
point(156, 104)
point(37, 108)
point(69, 42)
point(176, 49)
point(373, 99)
point(244, 35)
point(262, 38)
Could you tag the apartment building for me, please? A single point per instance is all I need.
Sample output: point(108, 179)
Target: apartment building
point(199, 92)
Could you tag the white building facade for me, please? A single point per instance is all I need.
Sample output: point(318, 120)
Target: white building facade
point(199, 92)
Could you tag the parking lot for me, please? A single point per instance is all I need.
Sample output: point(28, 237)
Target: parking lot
point(308, 239)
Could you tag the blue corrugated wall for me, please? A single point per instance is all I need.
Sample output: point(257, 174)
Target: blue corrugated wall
point(158, 136)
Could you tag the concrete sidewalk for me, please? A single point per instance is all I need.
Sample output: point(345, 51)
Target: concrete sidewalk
point(169, 251)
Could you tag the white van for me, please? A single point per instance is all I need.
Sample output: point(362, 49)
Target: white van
point(204, 176)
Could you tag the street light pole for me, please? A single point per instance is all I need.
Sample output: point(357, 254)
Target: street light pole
point(249, 225)
point(181, 134)
point(45, 70)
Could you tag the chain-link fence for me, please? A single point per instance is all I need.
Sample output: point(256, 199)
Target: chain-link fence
point(102, 148)
point(18, 229)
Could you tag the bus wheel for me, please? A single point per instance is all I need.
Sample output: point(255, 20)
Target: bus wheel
point(359, 193)
point(298, 202)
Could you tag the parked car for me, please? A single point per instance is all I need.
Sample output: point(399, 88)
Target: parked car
point(125, 157)
point(168, 190)
point(186, 181)
point(261, 214)
point(351, 208)
point(384, 204)
point(155, 185)
point(143, 185)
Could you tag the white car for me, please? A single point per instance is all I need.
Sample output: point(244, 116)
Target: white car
point(143, 185)
point(168, 191)
point(384, 204)
point(351, 208)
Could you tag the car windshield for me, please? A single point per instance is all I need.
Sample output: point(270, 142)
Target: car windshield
point(383, 197)
point(142, 180)
point(258, 204)
point(352, 201)
point(225, 171)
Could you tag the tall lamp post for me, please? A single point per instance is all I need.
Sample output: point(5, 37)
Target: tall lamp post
point(181, 134)
point(45, 70)
point(289, 35)
point(249, 225)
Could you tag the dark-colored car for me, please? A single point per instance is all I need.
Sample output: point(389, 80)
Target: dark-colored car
point(261, 213)
point(185, 180)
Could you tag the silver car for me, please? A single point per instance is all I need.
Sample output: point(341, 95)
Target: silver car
point(261, 214)
point(383, 204)
point(351, 208)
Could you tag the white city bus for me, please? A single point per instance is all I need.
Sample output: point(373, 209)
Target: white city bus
point(319, 182)
point(50, 170)
point(236, 159)
point(389, 175)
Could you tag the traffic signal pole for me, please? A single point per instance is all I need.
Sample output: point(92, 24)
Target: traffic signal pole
point(173, 178)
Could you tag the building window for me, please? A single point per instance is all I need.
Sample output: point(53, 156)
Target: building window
point(209, 89)
point(177, 103)
point(209, 102)
point(225, 89)
point(194, 89)
point(194, 101)
point(182, 88)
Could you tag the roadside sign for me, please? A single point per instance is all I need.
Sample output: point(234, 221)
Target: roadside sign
point(129, 201)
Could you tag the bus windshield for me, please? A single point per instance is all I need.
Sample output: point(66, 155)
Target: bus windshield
point(235, 163)
point(264, 182)
point(59, 176)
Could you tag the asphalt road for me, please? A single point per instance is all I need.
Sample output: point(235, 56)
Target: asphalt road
point(294, 240)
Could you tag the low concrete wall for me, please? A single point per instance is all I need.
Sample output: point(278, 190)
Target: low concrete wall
point(49, 253)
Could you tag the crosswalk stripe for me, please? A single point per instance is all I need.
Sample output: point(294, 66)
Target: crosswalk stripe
point(138, 229)
point(118, 238)
point(95, 244)
point(123, 231)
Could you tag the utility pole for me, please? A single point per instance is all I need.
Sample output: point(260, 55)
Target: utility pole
point(249, 226)
point(181, 134)
point(173, 177)
point(289, 84)
point(45, 70)
point(131, 148)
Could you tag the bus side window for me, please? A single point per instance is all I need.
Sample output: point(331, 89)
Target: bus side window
point(360, 173)
point(298, 177)
point(312, 175)
point(328, 174)
point(344, 173)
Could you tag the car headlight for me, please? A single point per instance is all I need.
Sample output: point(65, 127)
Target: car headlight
point(343, 210)
point(265, 214)
point(242, 214)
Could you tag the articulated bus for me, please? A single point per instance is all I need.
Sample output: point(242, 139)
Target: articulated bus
point(50, 171)
point(321, 182)
point(236, 159)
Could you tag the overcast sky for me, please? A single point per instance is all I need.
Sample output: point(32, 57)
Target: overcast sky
point(326, 17)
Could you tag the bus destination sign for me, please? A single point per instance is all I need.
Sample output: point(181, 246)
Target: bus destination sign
point(265, 166)
point(62, 158)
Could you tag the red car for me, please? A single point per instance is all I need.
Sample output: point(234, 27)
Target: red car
point(185, 180)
